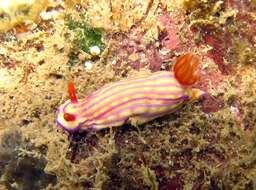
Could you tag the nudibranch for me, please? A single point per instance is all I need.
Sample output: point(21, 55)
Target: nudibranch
point(134, 101)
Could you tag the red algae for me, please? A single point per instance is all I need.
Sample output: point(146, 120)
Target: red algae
point(218, 51)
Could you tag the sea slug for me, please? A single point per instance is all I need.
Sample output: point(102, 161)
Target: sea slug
point(135, 100)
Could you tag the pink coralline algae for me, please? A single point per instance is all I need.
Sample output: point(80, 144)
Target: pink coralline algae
point(170, 40)
point(155, 61)
point(130, 50)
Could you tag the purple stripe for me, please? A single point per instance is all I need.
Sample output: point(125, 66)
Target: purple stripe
point(143, 105)
point(146, 116)
point(139, 80)
point(123, 90)
point(130, 94)
point(125, 102)
point(111, 123)
point(117, 84)
point(89, 114)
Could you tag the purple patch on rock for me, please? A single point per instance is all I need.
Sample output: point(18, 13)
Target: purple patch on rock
point(212, 104)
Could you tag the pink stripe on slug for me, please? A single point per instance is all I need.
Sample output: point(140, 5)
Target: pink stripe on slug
point(119, 112)
point(138, 80)
point(116, 106)
point(117, 99)
point(125, 118)
point(119, 84)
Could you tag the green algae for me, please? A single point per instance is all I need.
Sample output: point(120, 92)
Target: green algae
point(73, 58)
point(240, 174)
point(243, 51)
point(149, 177)
point(208, 12)
point(86, 36)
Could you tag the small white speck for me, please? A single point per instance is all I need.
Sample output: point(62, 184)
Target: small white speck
point(234, 110)
point(94, 50)
point(164, 51)
point(162, 66)
point(88, 65)
point(126, 141)
point(48, 15)
point(114, 62)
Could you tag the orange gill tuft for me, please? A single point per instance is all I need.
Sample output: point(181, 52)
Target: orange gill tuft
point(186, 69)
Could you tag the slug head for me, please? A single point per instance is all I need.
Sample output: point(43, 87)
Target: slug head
point(186, 69)
point(67, 115)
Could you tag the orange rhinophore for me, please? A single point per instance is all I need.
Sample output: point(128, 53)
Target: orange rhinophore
point(73, 99)
point(72, 92)
point(186, 69)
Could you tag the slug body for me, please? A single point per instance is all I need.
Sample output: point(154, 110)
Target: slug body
point(135, 101)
